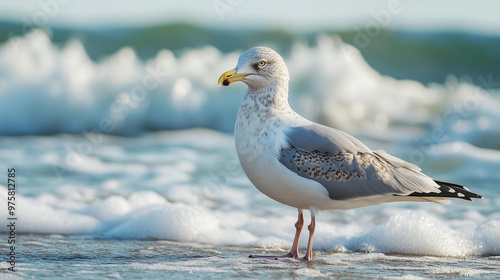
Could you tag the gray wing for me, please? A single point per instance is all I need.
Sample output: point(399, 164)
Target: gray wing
point(346, 167)
point(323, 138)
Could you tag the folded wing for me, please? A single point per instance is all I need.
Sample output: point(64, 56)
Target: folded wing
point(347, 168)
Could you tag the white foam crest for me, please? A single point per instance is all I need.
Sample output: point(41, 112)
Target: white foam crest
point(72, 93)
point(354, 97)
point(37, 217)
point(353, 94)
point(28, 62)
point(417, 234)
point(112, 207)
point(178, 222)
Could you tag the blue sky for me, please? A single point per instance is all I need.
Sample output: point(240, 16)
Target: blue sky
point(472, 16)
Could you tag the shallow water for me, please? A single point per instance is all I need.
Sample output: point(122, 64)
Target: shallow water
point(168, 203)
point(77, 257)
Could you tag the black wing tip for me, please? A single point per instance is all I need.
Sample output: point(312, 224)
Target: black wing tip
point(459, 189)
point(450, 190)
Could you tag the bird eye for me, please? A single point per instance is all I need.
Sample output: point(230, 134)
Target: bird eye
point(262, 63)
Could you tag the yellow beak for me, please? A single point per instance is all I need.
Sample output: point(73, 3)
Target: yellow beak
point(229, 77)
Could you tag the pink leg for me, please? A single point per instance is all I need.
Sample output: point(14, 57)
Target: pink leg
point(294, 252)
point(311, 227)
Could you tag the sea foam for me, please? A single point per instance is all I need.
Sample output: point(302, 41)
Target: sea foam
point(46, 89)
point(149, 216)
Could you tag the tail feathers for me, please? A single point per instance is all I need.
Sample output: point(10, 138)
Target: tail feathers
point(450, 190)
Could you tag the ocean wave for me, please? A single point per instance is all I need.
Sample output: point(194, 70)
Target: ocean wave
point(46, 89)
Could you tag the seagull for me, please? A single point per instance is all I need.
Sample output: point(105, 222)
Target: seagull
point(310, 166)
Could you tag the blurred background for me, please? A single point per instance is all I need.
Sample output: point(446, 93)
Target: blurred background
point(141, 65)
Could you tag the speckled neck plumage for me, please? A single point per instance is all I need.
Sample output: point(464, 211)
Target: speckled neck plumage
point(268, 98)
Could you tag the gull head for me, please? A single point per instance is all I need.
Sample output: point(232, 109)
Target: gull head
point(258, 67)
